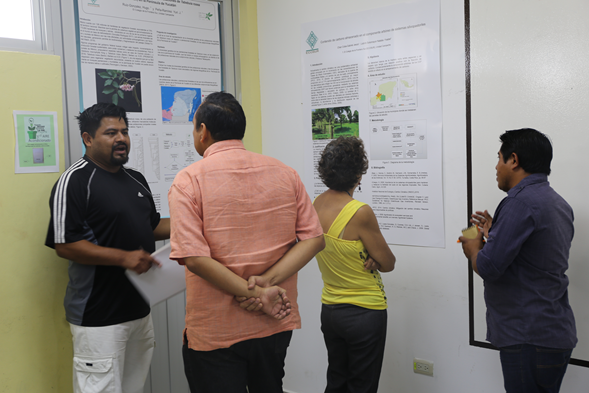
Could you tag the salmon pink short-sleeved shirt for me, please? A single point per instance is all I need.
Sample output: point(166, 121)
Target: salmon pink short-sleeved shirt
point(244, 210)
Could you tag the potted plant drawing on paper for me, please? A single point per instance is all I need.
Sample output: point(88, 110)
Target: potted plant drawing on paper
point(119, 87)
point(32, 131)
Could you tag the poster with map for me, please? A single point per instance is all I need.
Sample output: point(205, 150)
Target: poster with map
point(376, 75)
point(158, 60)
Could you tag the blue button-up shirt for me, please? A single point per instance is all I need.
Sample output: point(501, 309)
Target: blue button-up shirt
point(523, 266)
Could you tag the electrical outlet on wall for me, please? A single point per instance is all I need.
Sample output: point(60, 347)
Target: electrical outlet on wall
point(421, 366)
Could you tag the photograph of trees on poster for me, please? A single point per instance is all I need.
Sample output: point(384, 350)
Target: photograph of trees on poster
point(331, 123)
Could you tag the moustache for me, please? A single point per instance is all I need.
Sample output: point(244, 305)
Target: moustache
point(120, 144)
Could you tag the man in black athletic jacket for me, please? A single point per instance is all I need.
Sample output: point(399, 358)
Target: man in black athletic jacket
point(104, 220)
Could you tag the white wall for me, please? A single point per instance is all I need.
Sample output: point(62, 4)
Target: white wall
point(539, 80)
point(427, 292)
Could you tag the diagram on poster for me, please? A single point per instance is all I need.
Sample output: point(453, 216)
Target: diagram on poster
point(136, 159)
point(398, 140)
point(154, 154)
point(177, 153)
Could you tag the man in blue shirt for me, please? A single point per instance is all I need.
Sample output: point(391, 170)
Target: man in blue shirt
point(523, 265)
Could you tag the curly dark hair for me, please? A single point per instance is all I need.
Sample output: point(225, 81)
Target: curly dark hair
point(342, 163)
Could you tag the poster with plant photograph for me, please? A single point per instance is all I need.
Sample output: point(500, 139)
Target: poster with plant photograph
point(157, 60)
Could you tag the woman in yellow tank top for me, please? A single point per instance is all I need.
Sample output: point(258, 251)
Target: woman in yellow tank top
point(353, 314)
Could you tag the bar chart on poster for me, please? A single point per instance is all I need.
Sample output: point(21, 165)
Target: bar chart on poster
point(537, 81)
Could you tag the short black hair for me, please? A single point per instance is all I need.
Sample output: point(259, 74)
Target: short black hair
point(533, 149)
point(223, 116)
point(89, 120)
point(342, 163)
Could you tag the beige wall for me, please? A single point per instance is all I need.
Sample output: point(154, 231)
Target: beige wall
point(250, 73)
point(35, 343)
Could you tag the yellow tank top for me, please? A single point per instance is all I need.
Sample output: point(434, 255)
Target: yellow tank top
point(342, 267)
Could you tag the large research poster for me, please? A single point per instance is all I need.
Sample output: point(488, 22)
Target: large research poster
point(376, 75)
point(158, 59)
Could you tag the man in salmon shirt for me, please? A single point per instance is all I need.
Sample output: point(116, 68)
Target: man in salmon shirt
point(237, 214)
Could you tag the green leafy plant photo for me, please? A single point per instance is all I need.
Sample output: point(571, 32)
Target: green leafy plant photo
point(116, 84)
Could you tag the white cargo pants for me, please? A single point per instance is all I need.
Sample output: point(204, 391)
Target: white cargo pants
point(112, 359)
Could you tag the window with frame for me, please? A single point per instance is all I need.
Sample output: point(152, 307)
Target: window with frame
point(25, 25)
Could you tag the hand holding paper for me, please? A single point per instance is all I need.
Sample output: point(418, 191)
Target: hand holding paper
point(160, 283)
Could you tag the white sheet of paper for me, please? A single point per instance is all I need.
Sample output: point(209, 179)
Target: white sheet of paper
point(160, 283)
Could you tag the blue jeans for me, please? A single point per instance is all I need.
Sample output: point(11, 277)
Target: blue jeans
point(533, 369)
point(355, 339)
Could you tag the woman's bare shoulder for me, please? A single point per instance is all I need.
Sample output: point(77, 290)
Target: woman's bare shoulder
point(364, 214)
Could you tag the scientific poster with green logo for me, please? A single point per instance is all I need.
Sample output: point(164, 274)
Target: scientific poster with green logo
point(376, 75)
point(158, 60)
point(37, 147)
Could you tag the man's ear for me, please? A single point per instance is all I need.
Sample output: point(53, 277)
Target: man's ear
point(515, 162)
point(205, 134)
point(87, 139)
